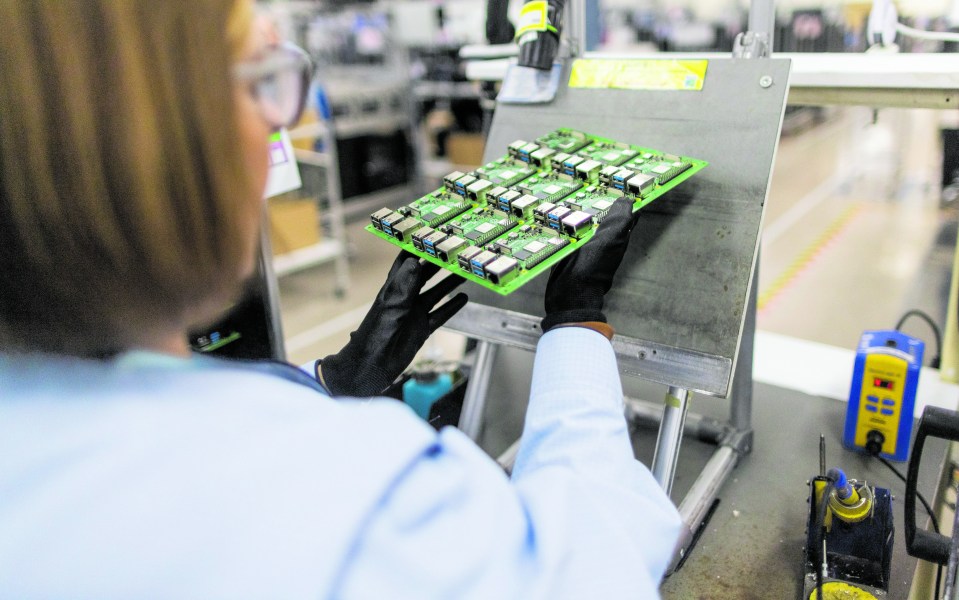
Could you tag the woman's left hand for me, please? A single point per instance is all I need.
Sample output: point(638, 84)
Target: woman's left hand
point(397, 326)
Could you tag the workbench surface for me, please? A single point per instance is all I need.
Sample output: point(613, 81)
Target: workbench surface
point(752, 548)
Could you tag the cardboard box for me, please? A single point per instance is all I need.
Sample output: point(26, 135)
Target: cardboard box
point(465, 149)
point(294, 224)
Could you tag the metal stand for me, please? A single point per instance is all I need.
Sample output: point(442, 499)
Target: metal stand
point(474, 403)
point(670, 438)
point(702, 339)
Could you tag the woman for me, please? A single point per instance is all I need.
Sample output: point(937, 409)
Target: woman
point(132, 162)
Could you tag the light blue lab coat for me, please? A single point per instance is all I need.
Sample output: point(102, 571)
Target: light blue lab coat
point(149, 476)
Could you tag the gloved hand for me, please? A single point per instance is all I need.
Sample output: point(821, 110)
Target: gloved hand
point(392, 332)
point(578, 284)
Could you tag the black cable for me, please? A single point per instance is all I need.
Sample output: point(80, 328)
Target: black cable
point(932, 515)
point(934, 363)
point(820, 535)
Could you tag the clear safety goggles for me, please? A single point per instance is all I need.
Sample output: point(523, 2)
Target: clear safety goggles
point(279, 79)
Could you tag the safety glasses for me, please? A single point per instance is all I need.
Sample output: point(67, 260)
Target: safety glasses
point(279, 79)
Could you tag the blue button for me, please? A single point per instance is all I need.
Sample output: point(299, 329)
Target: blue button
point(871, 408)
point(872, 398)
point(888, 401)
point(887, 411)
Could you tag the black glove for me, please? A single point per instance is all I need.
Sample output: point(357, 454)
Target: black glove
point(392, 332)
point(578, 284)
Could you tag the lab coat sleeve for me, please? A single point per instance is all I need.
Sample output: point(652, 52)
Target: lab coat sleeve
point(579, 519)
point(576, 470)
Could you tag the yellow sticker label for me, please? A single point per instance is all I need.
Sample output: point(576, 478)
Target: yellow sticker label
point(532, 17)
point(645, 74)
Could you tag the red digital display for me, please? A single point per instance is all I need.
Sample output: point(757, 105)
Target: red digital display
point(882, 383)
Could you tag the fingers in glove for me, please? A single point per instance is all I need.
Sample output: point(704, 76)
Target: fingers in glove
point(426, 270)
point(404, 265)
point(430, 297)
point(406, 278)
point(618, 221)
point(443, 313)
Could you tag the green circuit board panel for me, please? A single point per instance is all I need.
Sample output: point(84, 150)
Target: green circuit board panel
point(509, 221)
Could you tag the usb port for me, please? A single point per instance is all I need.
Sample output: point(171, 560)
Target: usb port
point(479, 273)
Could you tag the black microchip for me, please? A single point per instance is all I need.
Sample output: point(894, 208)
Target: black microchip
point(473, 235)
point(522, 254)
point(428, 217)
point(591, 211)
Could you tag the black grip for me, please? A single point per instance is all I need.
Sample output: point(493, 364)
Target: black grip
point(927, 545)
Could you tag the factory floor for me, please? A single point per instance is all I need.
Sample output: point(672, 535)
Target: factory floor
point(853, 236)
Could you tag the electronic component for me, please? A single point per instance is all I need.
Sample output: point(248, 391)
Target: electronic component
point(883, 393)
point(564, 140)
point(430, 242)
point(522, 150)
point(556, 161)
point(556, 215)
point(606, 175)
point(466, 255)
point(608, 153)
point(550, 188)
point(505, 201)
point(541, 158)
point(502, 270)
point(520, 213)
point(481, 225)
point(570, 164)
point(620, 177)
point(405, 228)
point(576, 223)
point(553, 245)
point(540, 212)
point(514, 148)
point(449, 248)
point(438, 207)
point(504, 172)
point(531, 245)
point(676, 169)
point(378, 216)
point(639, 184)
point(460, 185)
point(476, 191)
point(479, 262)
point(420, 235)
point(387, 222)
point(450, 180)
point(522, 207)
point(588, 170)
point(593, 200)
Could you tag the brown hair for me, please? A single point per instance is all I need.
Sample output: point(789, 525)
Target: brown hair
point(124, 204)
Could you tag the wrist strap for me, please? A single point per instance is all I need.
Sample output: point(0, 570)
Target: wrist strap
point(604, 328)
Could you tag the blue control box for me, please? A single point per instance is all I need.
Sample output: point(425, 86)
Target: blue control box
point(883, 393)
